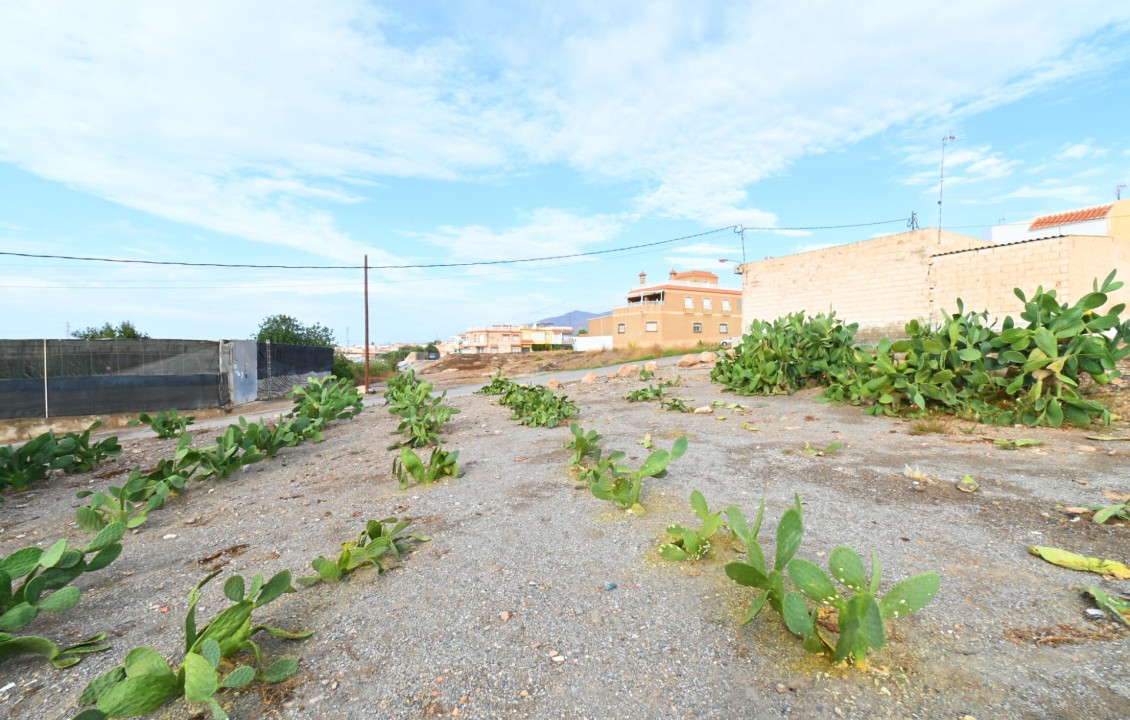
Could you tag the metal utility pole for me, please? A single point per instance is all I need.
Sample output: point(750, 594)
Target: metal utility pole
point(366, 324)
point(941, 181)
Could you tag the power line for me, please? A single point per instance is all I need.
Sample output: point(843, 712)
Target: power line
point(591, 253)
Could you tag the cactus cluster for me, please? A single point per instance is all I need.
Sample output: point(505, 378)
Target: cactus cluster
point(34, 580)
point(646, 394)
point(609, 479)
point(687, 544)
point(145, 681)
point(33, 461)
point(422, 415)
point(240, 444)
point(166, 424)
point(408, 466)
point(841, 623)
point(583, 444)
point(326, 399)
point(1029, 371)
point(379, 538)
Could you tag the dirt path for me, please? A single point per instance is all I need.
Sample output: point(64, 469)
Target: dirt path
point(524, 568)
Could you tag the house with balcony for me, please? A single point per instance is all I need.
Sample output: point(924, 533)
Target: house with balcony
point(686, 309)
point(512, 339)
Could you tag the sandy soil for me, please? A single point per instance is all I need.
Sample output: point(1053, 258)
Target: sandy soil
point(525, 567)
point(473, 368)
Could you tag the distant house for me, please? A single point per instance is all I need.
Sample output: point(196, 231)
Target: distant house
point(688, 308)
point(512, 339)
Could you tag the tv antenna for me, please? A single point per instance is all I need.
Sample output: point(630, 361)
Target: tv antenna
point(942, 179)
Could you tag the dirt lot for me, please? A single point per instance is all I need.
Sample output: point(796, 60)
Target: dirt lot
point(473, 368)
point(536, 600)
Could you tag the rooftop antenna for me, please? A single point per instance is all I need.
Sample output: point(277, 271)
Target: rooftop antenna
point(942, 179)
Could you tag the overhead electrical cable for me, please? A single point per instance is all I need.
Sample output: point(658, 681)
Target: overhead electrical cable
point(591, 253)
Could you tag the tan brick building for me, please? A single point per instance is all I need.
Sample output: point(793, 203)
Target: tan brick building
point(885, 282)
point(686, 309)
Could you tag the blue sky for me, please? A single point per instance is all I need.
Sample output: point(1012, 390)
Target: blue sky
point(313, 133)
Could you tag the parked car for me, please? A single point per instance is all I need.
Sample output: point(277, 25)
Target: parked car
point(732, 341)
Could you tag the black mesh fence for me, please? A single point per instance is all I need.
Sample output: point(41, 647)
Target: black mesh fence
point(280, 366)
point(99, 377)
point(95, 377)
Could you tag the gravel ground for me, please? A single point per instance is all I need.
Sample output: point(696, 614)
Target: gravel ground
point(536, 600)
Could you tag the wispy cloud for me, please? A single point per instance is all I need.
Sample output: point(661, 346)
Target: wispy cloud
point(1081, 151)
point(1070, 194)
point(258, 120)
point(548, 232)
point(963, 165)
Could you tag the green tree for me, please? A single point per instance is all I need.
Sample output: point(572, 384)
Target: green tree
point(286, 329)
point(125, 330)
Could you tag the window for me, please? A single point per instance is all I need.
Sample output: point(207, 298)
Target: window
point(697, 327)
point(688, 303)
point(621, 328)
point(723, 328)
point(651, 326)
point(707, 304)
point(726, 305)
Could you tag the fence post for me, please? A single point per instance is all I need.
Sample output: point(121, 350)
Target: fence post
point(269, 375)
point(46, 409)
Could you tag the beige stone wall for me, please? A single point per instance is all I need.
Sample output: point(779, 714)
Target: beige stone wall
point(601, 325)
point(883, 283)
point(984, 279)
point(1118, 222)
point(879, 283)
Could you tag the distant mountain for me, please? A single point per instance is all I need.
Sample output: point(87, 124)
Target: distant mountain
point(576, 319)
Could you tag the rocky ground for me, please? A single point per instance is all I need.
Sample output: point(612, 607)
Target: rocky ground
point(533, 599)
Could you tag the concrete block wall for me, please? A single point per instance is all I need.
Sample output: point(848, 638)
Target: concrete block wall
point(880, 283)
point(985, 278)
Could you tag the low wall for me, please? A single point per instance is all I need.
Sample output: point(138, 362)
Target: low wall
point(879, 283)
point(585, 343)
point(882, 284)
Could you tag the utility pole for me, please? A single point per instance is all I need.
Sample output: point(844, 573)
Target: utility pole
point(366, 324)
point(941, 181)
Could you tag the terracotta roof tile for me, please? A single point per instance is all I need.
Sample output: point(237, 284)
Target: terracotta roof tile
point(1072, 216)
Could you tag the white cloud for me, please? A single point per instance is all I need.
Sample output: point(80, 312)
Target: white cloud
point(257, 120)
point(963, 165)
point(548, 232)
point(1077, 195)
point(1081, 151)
